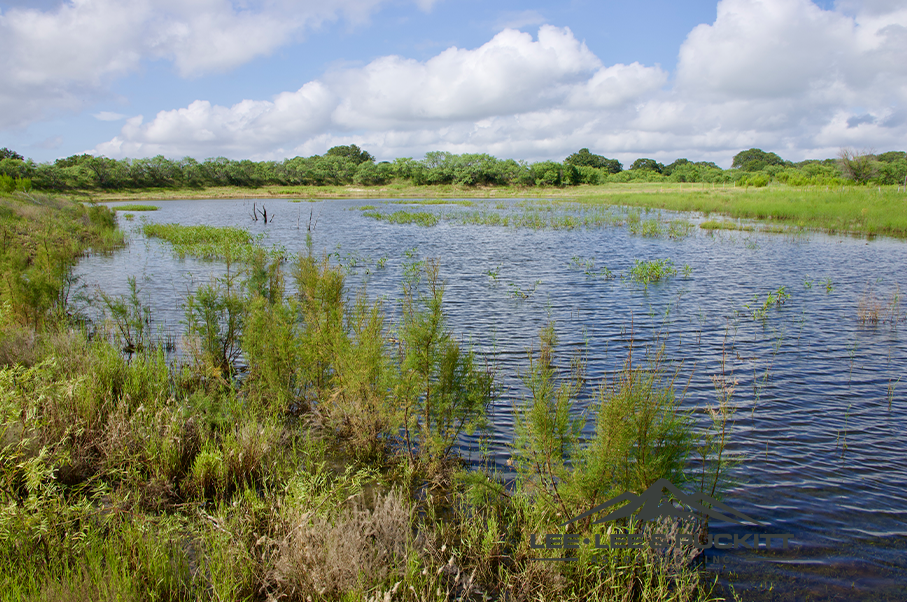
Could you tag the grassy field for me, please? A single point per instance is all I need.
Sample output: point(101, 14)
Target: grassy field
point(857, 210)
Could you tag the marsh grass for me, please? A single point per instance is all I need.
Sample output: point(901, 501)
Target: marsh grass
point(873, 310)
point(656, 270)
point(421, 218)
point(772, 299)
point(210, 242)
point(134, 207)
point(41, 237)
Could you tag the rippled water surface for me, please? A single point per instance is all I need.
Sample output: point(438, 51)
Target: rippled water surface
point(821, 411)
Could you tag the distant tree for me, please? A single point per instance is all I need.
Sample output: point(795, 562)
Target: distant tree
point(584, 158)
point(859, 166)
point(73, 160)
point(669, 169)
point(6, 153)
point(648, 164)
point(892, 157)
point(352, 152)
point(755, 159)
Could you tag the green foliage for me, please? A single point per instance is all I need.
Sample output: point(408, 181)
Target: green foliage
point(351, 152)
point(130, 316)
point(647, 164)
point(6, 153)
point(640, 433)
point(646, 272)
point(422, 218)
point(442, 390)
point(134, 207)
point(547, 427)
point(755, 159)
point(584, 158)
point(209, 242)
point(40, 239)
point(857, 166)
point(214, 320)
point(774, 298)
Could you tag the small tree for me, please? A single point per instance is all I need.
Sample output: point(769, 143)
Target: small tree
point(648, 164)
point(859, 166)
point(351, 152)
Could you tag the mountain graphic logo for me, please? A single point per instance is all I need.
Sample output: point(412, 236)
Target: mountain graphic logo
point(648, 505)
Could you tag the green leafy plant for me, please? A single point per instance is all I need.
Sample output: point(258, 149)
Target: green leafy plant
point(656, 270)
point(442, 389)
point(774, 298)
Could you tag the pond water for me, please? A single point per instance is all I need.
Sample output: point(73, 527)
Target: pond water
point(821, 415)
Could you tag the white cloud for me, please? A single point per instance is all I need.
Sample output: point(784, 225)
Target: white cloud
point(499, 96)
point(61, 59)
point(109, 116)
point(783, 75)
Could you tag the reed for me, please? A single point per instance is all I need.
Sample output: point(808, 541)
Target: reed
point(134, 207)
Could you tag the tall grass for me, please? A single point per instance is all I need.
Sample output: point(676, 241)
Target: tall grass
point(209, 242)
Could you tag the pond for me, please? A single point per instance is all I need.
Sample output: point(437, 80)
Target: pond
point(821, 414)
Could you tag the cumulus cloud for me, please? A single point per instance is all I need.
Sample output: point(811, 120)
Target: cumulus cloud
point(61, 59)
point(512, 88)
point(784, 75)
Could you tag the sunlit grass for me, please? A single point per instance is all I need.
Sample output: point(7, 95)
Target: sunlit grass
point(134, 207)
point(209, 242)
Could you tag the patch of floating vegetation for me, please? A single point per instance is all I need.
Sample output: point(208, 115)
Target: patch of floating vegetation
point(209, 242)
point(133, 207)
point(422, 218)
point(365, 208)
point(647, 272)
point(724, 225)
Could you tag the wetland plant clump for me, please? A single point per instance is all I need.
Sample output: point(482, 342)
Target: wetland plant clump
point(655, 270)
point(133, 207)
point(209, 242)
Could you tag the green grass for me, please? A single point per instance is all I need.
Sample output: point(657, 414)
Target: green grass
point(135, 207)
point(656, 270)
point(208, 242)
point(422, 218)
point(41, 237)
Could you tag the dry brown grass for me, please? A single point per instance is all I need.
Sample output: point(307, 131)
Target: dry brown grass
point(349, 551)
point(872, 310)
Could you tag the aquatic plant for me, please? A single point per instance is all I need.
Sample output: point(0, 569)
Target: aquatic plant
point(131, 207)
point(516, 292)
point(421, 218)
point(773, 298)
point(588, 268)
point(656, 270)
point(209, 242)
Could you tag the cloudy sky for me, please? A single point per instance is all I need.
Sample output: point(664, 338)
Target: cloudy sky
point(268, 79)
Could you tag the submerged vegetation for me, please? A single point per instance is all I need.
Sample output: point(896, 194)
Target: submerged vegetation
point(304, 448)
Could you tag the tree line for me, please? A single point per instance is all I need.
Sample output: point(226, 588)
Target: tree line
point(346, 165)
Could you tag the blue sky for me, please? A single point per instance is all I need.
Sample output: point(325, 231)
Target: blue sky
point(268, 79)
